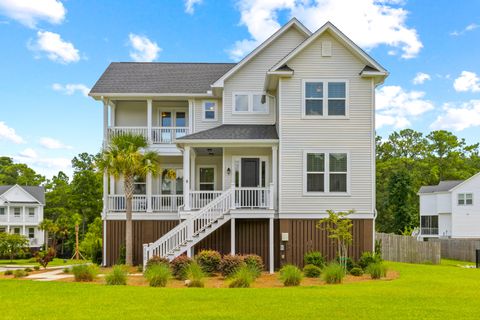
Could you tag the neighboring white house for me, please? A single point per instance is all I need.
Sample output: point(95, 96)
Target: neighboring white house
point(252, 154)
point(21, 211)
point(451, 209)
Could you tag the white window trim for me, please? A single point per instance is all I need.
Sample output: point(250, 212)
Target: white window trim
point(464, 194)
point(250, 95)
point(325, 99)
point(215, 110)
point(326, 173)
point(173, 111)
point(200, 166)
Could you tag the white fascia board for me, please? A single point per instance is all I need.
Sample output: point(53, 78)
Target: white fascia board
point(462, 183)
point(210, 142)
point(99, 96)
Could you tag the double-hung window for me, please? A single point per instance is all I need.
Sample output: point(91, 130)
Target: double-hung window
point(31, 212)
point(207, 178)
point(250, 102)
point(326, 172)
point(209, 110)
point(465, 199)
point(325, 98)
point(31, 233)
point(2, 211)
point(16, 212)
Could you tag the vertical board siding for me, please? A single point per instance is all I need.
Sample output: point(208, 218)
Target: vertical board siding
point(458, 249)
point(408, 249)
point(304, 236)
point(144, 231)
point(252, 237)
point(354, 134)
point(219, 241)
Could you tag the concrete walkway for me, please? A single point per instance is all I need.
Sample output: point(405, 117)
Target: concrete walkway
point(53, 275)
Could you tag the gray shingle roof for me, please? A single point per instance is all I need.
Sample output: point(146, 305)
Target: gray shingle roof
point(235, 132)
point(441, 187)
point(159, 77)
point(35, 191)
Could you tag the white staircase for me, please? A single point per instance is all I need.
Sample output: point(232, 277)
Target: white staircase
point(192, 230)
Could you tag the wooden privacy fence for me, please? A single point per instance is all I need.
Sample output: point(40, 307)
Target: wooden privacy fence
point(458, 249)
point(408, 249)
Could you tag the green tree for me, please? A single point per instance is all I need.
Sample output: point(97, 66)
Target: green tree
point(125, 157)
point(18, 173)
point(399, 201)
point(91, 246)
point(12, 244)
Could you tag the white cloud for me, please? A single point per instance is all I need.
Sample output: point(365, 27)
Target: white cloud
point(47, 166)
point(8, 133)
point(28, 153)
point(467, 81)
point(369, 23)
point(421, 77)
point(470, 27)
point(143, 48)
point(71, 88)
point(51, 143)
point(397, 107)
point(30, 12)
point(460, 117)
point(55, 47)
point(190, 5)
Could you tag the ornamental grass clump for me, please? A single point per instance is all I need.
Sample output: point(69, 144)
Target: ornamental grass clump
point(179, 267)
point(117, 277)
point(209, 261)
point(243, 277)
point(377, 270)
point(158, 275)
point(290, 275)
point(368, 258)
point(312, 271)
point(230, 264)
point(333, 273)
point(195, 276)
point(84, 272)
point(20, 273)
point(156, 260)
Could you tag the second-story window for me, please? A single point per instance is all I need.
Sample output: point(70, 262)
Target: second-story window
point(250, 102)
point(465, 199)
point(2, 211)
point(16, 212)
point(31, 212)
point(209, 111)
point(325, 98)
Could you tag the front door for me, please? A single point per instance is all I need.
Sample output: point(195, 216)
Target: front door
point(250, 172)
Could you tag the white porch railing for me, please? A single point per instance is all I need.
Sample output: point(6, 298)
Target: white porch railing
point(199, 199)
point(117, 131)
point(254, 197)
point(168, 134)
point(167, 203)
point(118, 203)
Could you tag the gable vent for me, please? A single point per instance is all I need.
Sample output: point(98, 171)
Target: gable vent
point(326, 49)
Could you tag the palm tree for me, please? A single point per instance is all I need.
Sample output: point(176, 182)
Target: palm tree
point(125, 157)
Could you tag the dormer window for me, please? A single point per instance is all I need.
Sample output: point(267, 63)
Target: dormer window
point(250, 102)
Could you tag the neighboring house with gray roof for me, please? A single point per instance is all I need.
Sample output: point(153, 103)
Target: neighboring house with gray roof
point(252, 153)
point(21, 212)
point(450, 209)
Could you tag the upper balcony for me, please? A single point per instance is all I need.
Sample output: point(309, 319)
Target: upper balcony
point(160, 122)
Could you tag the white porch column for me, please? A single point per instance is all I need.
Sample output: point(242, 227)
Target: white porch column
point(149, 120)
point(186, 178)
point(272, 246)
point(105, 193)
point(24, 216)
point(190, 115)
point(274, 175)
point(112, 114)
point(148, 183)
point(105, 122)
point(112, 185)
point(232, 236)
point(193, 171)
point(8, 215)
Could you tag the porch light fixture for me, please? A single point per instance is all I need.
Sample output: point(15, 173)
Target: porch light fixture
point(228, 171)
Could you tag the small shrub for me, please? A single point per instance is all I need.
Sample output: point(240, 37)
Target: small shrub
point(255, 263)
point(20, 273)
point(349, 262)
point(377, 270)
point(158, 275)
point(290, 275)
point(333, 273)
point(84, 272)
point(44, 257)
point(209, 261)
point(243, 277)
point(179, 267)
point(36, 268)
point(8, 273)
point(357, 272)
point(195, 276)
point(312, 271)
point(28, 269)
point(156, 260)
point(368, 258)
point(66, 270)
point(118, 276)
point(315, 258)
point(230, 264)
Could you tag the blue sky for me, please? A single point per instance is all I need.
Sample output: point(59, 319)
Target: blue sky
point(53, 51)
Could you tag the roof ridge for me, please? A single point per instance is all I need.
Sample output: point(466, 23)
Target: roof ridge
point(165, 62)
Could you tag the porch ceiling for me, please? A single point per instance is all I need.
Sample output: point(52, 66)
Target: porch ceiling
point(205, 151)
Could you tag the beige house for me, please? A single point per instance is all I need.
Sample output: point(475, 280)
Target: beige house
point(253, 153)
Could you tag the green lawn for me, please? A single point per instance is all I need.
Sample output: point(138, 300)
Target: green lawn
point(421, 292)
point(55, 263)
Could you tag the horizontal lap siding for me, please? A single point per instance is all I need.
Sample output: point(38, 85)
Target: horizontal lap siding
point(144, 231)
point(304, 236)
point(251, 77)
point(199, 123)
point(354, 135)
